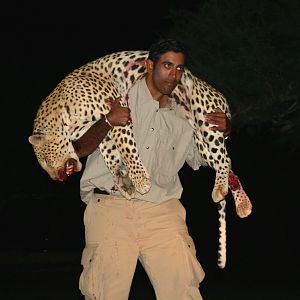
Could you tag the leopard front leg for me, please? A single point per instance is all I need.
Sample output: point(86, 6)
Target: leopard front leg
point(124, 140)
point(114, 163)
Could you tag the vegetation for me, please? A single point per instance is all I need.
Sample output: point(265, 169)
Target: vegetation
point(250, 51)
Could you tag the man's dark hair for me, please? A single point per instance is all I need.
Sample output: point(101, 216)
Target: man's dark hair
point(163, 46)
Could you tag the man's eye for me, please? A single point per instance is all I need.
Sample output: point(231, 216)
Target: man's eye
point(180, 68)
point(168, 65)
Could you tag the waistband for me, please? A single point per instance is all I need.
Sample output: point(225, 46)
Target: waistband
point(98, 191)
point(105, 195)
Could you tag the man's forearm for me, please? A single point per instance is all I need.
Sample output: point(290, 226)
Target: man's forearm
point(92, 138)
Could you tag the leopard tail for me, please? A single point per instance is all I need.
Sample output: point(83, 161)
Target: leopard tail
point(222, 234)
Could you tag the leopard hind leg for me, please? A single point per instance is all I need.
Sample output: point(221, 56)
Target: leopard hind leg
point(217, 159)
point(220, 189)
point(242, 202)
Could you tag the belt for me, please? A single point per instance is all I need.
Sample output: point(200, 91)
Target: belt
point(98, 191)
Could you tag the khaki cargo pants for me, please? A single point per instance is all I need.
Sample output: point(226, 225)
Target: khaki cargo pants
point(120, 231)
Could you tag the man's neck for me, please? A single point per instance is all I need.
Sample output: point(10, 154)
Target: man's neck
point(164, 101)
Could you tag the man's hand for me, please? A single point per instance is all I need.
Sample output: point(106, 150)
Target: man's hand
point(220, 121)
point(118, 115)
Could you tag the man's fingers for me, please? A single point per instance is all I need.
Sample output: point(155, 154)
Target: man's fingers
point(216, 116)
point(113, 101)
point(218, 110)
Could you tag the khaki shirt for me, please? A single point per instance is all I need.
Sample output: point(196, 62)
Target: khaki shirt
point(164, 141)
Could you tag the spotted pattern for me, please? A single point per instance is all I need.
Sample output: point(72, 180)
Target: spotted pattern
point(78, 101)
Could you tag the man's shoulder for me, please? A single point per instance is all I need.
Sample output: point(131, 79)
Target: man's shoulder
point(139, 83)
point(139, 87)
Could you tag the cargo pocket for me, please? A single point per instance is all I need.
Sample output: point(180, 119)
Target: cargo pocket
point(90, 278)
point(194, 272)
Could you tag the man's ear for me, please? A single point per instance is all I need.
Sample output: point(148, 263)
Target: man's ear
point(149, 64)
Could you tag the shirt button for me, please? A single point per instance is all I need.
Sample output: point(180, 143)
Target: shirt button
point(152, 129)
point(147, 147)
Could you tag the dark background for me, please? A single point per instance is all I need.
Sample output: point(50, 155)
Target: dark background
point(41, 228)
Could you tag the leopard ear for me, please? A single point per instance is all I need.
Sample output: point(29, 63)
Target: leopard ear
point(37, 139)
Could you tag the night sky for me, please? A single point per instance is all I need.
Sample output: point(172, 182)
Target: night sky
point(40, 44)
point(43, 43)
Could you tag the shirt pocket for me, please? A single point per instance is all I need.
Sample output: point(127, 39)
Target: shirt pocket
point(165, 169)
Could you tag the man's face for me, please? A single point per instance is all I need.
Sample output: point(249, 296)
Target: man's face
point(167, 72)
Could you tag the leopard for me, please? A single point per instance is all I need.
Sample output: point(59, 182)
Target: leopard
point(80, 99)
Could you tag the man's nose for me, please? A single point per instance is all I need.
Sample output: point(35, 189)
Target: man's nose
point(173, 73)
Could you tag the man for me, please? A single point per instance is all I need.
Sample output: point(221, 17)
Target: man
point(151, 227)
